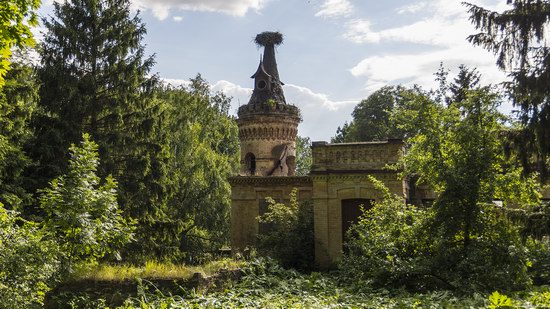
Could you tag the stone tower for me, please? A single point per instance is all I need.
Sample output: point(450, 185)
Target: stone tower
point(267, 124)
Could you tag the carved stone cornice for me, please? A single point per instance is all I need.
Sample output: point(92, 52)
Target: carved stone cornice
point(267, 133)
point(357, 176)
point(270, 181)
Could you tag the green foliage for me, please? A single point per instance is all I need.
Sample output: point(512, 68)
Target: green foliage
point(267, 285)
point(82, 214)
point(304, 159)
point(28, 262)
point(204, 153)
point(371, 118)
point(518, 37)
point(16, 19)
point(389, 245)
point(497, 300)
point(290, 239)
point(455, 147)
point(96, 79)
point(153, 270)
point(18, 100)
point(400, 246)
point(539, 260)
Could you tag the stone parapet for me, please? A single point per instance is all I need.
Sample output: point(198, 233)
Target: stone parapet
point(266, 108)
point(359, 157)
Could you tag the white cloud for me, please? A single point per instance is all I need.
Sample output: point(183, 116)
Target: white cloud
point(161, 8)
point(443, 27)
point(445, 30)
point(240, 94)
point(176, 82)
point(412, 8)
point(335, 8)
point(177, 18)
point(419, 68)
point(307, 98)
point(321, 114)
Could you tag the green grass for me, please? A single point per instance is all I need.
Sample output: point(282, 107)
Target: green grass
point(266, 285)
point(152, 270)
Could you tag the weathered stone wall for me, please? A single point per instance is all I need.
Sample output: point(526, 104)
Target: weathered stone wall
point(249, 192)
point(340, 172)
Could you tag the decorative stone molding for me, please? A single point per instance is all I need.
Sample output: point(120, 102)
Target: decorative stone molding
point(349, 157)
point(267, 133)
point(270, 181)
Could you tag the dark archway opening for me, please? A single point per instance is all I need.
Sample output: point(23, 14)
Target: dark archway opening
point(351, 211)
point(250, 160)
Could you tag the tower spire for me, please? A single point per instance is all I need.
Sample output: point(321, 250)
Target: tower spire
point(267, 83)
point(267, 125)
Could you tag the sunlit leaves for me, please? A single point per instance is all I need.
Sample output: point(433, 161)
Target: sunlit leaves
point(16, 19)
point(82, 212)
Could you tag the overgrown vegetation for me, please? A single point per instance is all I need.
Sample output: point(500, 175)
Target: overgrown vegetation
point(290, 238)
point(152, 270)
point(265, 284)
point(148, 182)
point(82, 214)
point(29, 262)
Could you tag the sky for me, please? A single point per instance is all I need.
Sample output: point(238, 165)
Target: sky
point(335, 52)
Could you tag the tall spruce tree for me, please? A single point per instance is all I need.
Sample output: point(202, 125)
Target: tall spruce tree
point(18, 99)
point(95, 79)
point(518, 37)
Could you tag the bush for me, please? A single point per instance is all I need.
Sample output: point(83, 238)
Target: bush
point(28, 262)
point(395, 245)
point(389, 247)
point(291, 239)
point(495, 259)
point(539, 260)
point(83, 215)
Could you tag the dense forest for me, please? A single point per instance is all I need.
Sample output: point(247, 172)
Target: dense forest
point(107, 173)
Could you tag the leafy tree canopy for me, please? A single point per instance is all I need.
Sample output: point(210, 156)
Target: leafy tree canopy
point(457, 149)
point(16, 19)
point(96, 79)
point(371, 121)
point(18, 100)
point(304, 158)
point(204, 153)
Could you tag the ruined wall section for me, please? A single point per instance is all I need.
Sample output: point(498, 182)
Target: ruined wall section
point(249, 193)
point(340, 172)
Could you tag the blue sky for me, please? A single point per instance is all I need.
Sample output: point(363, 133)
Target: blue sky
point(335, 53)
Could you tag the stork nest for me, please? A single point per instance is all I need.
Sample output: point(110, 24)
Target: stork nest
point(269, 38)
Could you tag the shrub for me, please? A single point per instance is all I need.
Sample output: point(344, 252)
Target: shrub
point(539, 260)
point(388, 247)
point(28, 262)
point(496, 258)
point(291, 239)
point(396, 245)
point(83, 215)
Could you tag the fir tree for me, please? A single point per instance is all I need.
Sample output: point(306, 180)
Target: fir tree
point(18, 100)
point(518, 38)
point(95, 79)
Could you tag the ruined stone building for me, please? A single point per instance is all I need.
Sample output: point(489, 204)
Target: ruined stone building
point(338, 181)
